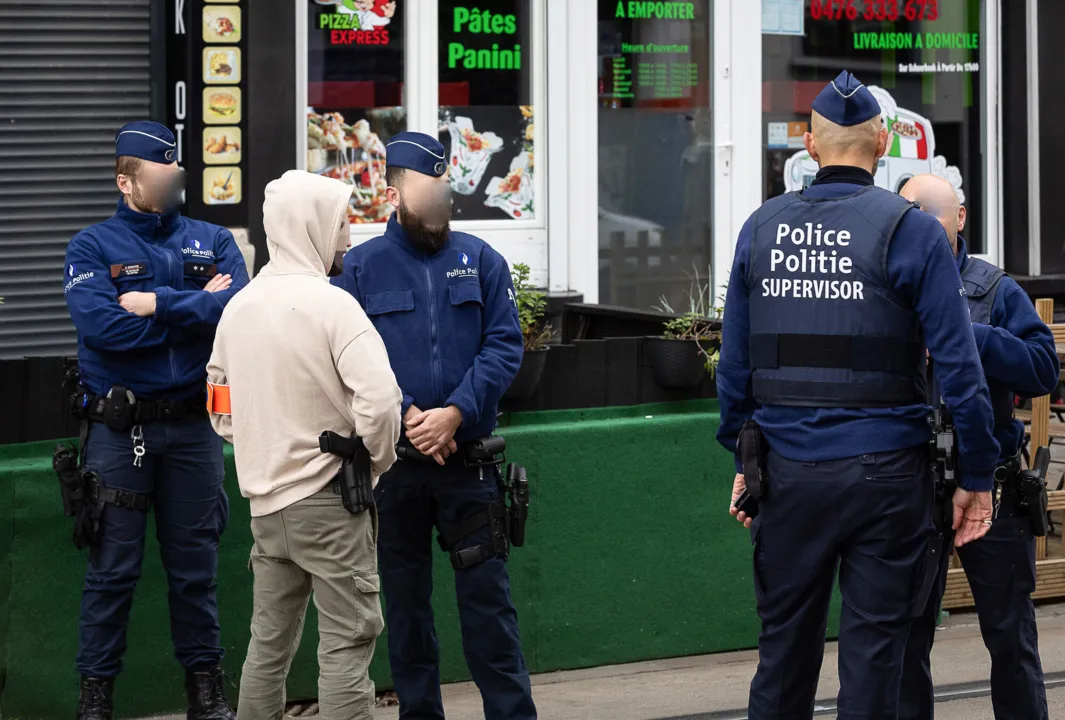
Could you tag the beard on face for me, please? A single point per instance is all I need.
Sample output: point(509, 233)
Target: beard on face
point(145, 202)
point(160, 198)
point(428, 234)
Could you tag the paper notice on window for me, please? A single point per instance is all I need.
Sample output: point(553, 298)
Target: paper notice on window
point(778, 136)
point(783, 17)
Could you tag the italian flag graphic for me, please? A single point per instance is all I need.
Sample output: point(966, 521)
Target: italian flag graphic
point(903, 146)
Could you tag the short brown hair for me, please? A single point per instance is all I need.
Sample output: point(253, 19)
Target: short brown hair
point(394, 176)
point(127, 165)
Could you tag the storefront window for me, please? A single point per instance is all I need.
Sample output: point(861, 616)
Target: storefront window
point(655, 153)
point(355, 69)
point(923, 61)
point(486, 112)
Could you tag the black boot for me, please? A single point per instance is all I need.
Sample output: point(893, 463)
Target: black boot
point(207, 695)
point(94, 703)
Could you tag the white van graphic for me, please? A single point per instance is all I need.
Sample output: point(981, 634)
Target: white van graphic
point(911, 151)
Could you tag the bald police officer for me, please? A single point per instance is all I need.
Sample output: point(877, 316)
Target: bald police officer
point(444, 305)
point(834, 294)
point(1018, 355)
point(145, 290)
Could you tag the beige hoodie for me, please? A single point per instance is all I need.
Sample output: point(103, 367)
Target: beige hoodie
point(300, 356)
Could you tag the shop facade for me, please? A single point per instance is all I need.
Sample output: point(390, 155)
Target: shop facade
point(615, 147)
point(673, 120)
point(696, 117)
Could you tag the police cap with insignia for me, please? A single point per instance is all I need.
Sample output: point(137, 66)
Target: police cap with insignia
point(845, 101)
point(416, 151)
point(146, 140)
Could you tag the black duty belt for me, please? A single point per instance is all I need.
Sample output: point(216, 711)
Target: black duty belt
point(153, 410)
point(482, 452)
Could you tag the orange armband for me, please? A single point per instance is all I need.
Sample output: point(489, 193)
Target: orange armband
point(218, 399)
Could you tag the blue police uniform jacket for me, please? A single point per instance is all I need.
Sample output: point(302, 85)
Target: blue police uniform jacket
point(1016, 347)
point(449, 321)
point(163, 356)
point(915, 293)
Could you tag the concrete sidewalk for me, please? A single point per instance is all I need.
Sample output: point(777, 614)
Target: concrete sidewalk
point(713, 687)
point(686, 687)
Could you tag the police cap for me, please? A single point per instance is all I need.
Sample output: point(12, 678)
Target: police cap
point(146, 140)
point(845, 101)
point(416, 151)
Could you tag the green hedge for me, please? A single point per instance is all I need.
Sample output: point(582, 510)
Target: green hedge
point(630, 556)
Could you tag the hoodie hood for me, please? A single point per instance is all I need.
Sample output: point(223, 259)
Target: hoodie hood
point(306, 221)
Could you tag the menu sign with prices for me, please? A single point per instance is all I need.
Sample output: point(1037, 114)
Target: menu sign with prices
point(661, 67)
point(206, 79)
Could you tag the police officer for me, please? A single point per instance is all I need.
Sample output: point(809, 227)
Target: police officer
point(1018, 355)
point(145, 290)
point(834, 295)
point(444, 305)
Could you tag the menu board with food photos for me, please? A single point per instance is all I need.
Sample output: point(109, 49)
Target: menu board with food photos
point(206, 81)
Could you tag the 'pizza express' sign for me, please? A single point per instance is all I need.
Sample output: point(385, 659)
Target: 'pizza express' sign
point(358, 22)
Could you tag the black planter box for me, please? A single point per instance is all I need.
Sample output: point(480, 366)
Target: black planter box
point(603, 362)
point(602, 373)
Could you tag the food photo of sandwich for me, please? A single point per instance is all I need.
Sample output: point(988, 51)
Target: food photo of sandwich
point(221, 186)
point(221, 65)
point(221, 105)
point(221, 23)
point(221, 145)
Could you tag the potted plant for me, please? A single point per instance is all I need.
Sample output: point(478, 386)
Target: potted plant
point(690, 344)
point(531, 309)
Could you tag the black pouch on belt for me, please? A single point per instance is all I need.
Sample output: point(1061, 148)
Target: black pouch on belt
point(1032, 486)
point(119, 408)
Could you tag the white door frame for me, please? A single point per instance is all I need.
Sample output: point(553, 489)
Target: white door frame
point(737, 72)
point(573, 152)
point(1035, 258)
point(992, 97)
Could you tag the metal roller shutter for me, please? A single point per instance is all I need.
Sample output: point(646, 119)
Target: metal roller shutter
point(71, 73)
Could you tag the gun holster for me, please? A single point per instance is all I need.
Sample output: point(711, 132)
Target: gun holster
point(506, 516)
point(518, 486)
point(354, 480)
point(943, 510)
point(1032, 487)
point(754, 455)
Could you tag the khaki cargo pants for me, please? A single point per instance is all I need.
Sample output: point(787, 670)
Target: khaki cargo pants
point(313, 545)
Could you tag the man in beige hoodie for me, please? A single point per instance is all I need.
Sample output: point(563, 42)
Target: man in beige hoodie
point(293, 357)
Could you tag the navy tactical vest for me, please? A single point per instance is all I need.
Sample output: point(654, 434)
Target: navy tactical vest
point(827, 328)
point(981, 281)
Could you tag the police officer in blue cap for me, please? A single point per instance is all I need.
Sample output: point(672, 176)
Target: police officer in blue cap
point(444, 305)
point(834, 295)
point(145, 290)
point(1017, 350)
